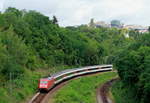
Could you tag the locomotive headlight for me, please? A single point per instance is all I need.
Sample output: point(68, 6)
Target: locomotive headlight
point(45, 85)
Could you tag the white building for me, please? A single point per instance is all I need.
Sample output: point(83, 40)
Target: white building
point(139, 28)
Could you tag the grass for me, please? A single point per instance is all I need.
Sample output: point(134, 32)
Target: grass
point(122, 94)
point(22, 89)
point(18, 90)
point(82, 90)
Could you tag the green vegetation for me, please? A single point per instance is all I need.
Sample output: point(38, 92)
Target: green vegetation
point(17, 90)
point(133, 65)
point(82, 90)
point(122, 94)
point(31, 43)
point(21, 88)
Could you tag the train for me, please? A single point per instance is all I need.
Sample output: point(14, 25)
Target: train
point(45, 84)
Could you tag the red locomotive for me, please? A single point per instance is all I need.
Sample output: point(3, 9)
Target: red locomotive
point(46, 83)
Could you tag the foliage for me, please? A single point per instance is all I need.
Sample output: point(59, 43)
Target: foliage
point(15, 53)
point(55, 21)
point(85, 93)
point(133, 66)
point(123, 94)
point(30, 41)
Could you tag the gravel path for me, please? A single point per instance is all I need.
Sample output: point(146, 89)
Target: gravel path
point(103, 92)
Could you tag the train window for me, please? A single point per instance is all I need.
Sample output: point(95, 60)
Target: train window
point(59, 77)
point(49, 78)
point(43, 82)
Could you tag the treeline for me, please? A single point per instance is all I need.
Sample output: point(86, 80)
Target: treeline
point(30, 40)
point(133, 64)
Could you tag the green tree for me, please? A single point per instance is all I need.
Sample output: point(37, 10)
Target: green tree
point(55, 21)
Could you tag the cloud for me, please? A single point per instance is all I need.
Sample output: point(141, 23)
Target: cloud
point(1, 4)
point(75, 12)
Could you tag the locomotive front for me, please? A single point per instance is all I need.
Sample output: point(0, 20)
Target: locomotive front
point(46, 83)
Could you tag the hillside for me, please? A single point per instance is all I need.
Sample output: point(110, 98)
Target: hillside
point(32, 46)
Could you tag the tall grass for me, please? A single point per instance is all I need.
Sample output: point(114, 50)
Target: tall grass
point(82, 90)
point(123, 94)
point(21, 89)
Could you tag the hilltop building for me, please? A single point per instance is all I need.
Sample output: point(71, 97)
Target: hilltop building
point(116, 24)
point(92, 24)
point(100, 24)
point(138, 28)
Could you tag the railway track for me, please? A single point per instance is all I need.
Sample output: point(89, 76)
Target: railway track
point(38, 97)
point(42, 97)
point(103, 92)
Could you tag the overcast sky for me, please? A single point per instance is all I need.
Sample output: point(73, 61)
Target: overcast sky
point(76, 12)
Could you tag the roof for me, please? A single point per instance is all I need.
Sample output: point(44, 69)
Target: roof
point(75, 69)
